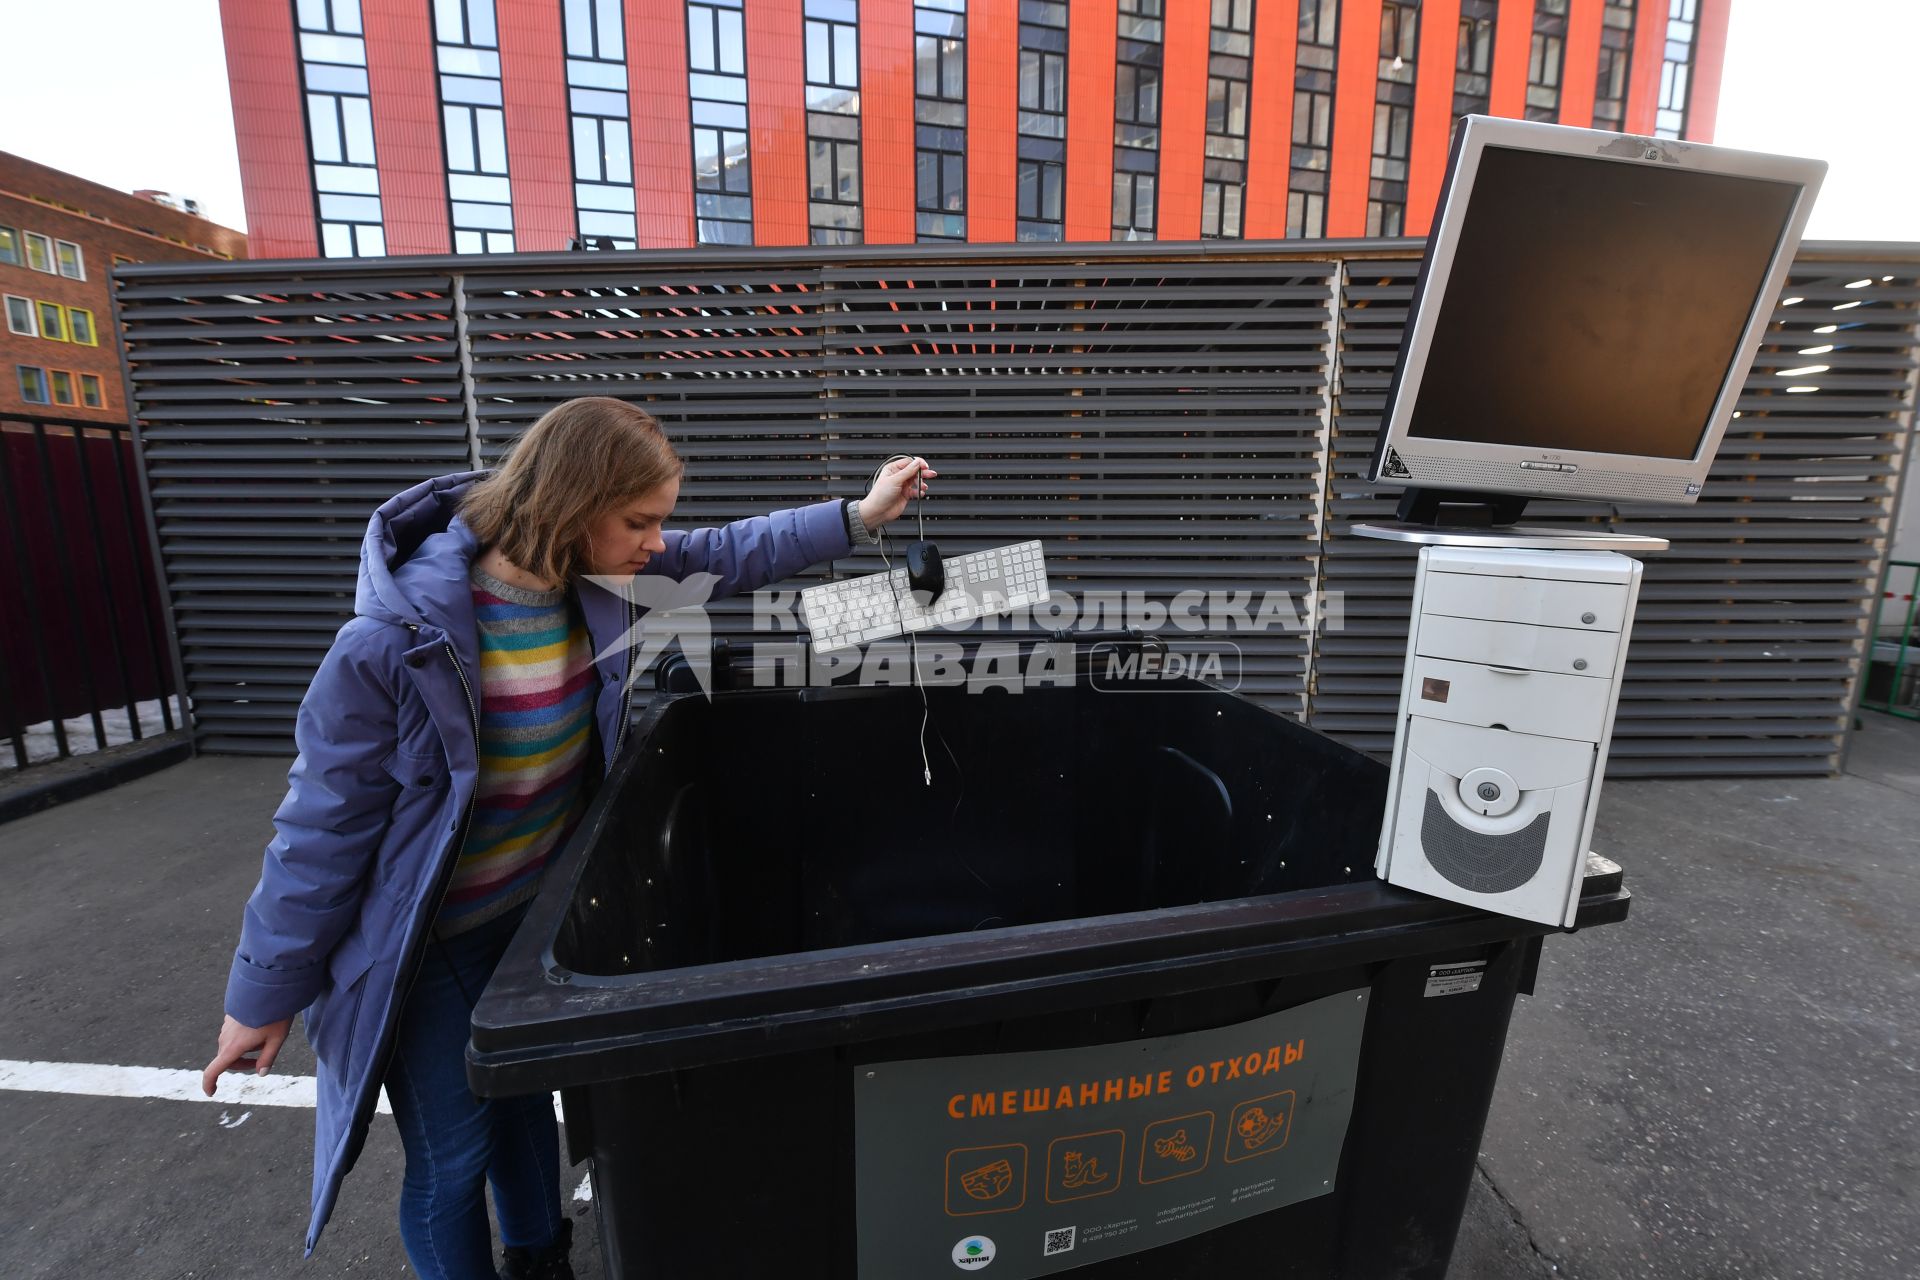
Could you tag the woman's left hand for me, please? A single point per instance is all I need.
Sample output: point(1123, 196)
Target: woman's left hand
point(901, 479)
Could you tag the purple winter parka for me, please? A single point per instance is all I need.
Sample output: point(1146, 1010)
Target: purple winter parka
point(387, 765)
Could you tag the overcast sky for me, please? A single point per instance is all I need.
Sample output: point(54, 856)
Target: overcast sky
point(142, 100)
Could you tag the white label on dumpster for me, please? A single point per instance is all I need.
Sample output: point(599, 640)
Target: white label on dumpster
point(1061, 1158)
point(1454, 979)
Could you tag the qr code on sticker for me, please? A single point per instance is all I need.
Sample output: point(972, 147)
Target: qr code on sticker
point(1060, 1241)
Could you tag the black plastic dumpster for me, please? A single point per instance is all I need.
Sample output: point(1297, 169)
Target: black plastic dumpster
point(1119, 992)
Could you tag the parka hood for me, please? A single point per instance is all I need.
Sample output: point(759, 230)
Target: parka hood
point(416, 554)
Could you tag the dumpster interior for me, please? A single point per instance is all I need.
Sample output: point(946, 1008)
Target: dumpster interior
point(764, 823)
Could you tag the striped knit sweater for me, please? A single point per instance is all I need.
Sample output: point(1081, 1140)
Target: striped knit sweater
point(536, 721)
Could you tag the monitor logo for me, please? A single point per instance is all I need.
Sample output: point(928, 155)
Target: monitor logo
point(973, 1253)
point(1396, 468)
point(1693, 488)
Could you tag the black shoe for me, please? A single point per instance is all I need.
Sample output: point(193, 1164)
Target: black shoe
point(550, 1263)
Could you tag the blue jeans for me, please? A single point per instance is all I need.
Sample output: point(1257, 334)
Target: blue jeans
point(457, 1143)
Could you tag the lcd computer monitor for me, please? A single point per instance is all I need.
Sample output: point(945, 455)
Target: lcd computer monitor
point(1587, 311)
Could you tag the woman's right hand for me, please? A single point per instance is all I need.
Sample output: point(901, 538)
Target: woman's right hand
point(236, 1040)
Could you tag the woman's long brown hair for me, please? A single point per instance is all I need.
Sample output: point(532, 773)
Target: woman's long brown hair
point(581, 460)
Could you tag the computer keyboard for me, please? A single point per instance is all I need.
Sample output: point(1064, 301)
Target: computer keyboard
point(853, 611)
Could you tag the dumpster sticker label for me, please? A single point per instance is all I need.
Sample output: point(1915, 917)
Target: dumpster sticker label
point(1454, 979)
point(973, 1253)
point(1068, 1157)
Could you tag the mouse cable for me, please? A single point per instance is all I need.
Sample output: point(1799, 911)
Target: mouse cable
point(913, 659)
point(926, 709)
point(913, 637)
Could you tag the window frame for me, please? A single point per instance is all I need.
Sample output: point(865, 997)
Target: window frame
point(1215, 228)
point(1400, 31)
point(1546, 57)
point(93, 330)
point(99, 390)
point(20, 372)
point(1226, 99)
point(1043, 62)
point(73, 388)
point(1393, 130)
point(33, 316)
point(946, 49)
point(832, 50)
point(1315, 17)
point(843, 162)
point(13, 252)
point(42, 309)
point(1478, 51)
point(1306, 204)
point(46, 250)
point(1049, 177)
point(1124, 103)
point(79, 271)
point(940, 191)
point(1132, 178)
point(1319, 110)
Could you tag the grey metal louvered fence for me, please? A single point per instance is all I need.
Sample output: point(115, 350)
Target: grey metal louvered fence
point(1166, 417)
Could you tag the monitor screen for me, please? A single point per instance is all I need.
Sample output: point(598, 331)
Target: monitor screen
point(1575, 318)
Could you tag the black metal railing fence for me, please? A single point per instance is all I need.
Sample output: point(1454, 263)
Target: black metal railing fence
point(84, 653)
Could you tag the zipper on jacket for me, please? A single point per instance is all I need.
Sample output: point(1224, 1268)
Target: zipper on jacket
point(626, 685)
point(445, 879)
point(460, 833)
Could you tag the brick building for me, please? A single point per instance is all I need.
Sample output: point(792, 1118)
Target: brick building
point(371, 127)
point(60, 237)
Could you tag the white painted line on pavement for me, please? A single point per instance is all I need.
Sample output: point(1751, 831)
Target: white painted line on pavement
point(103, 1080)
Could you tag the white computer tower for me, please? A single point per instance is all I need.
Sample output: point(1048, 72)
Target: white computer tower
point(1514, 659)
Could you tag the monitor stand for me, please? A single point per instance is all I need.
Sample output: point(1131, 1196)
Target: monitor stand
point(1446, 518)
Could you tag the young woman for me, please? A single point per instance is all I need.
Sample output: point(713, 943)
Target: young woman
point(447, 745)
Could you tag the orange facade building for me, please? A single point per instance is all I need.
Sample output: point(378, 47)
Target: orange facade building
point(373, 127)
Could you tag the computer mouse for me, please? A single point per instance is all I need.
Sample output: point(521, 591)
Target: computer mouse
point(925, 572)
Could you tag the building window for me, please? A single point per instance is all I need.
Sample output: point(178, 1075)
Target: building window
point(40, 252)
point(9, 246)
point(1616, 62)
point(833, 121)
point(92, 394)
point(1473, 59)
point(20, 317)
point(80, 326)
point(1393, 117)
point(717, 90)
point(33, 383)
point(479, 192)
point(1039, 196)
point(346, 183)
point(61, 382)
point(1670, 117)
point(53, 321)
point(1314, 61)
point(940, 119)
point(1545, 59)
point(599, 122)
point(67, 254)
point(1140, 58)
point(1223, 185)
